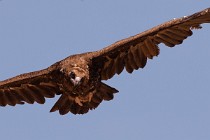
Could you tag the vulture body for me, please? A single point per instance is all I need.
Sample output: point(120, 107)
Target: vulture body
point(78, 78)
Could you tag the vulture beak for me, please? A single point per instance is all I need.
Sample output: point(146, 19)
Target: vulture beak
point(77, 81)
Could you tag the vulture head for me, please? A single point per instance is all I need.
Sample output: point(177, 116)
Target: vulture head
point(78, 76)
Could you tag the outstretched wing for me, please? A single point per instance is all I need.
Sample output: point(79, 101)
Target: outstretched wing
point(30, 87)
point(132, 53)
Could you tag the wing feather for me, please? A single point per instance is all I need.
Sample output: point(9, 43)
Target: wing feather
point(119, 64)
point(132, 53)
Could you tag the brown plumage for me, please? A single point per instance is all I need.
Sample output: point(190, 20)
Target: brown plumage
point(77, 78)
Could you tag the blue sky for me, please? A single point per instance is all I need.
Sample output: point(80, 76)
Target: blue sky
point(168, 99)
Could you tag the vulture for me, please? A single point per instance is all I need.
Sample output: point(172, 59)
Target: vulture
point(78, 78)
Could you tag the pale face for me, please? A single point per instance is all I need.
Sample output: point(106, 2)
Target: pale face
point(78, 76)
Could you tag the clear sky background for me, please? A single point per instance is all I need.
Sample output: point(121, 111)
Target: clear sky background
point(168, 100)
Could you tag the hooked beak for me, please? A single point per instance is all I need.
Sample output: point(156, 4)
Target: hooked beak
point(77, 81)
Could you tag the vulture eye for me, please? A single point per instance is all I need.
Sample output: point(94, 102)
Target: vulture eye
point(72, 75)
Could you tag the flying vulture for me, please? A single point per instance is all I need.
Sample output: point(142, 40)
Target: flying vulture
point(78, 78)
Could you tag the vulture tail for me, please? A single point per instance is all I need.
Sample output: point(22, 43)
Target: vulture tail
point(66, 104)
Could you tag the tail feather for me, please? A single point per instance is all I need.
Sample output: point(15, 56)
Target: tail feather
point(84, 110)
point(61, 101)
point(65, 104)
point(104, 92)
point(107, 92)
point(65, 108)
point(93, 105)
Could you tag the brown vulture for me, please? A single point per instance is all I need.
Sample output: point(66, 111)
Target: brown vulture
point(78, 78)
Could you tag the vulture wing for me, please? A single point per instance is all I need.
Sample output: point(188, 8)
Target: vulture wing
point(132, 53)
point(29, 87)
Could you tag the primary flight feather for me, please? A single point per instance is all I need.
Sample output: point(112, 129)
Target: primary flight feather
point(78, 78)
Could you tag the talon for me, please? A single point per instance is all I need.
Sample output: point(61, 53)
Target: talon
point(90, 96)
point(77, 100)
